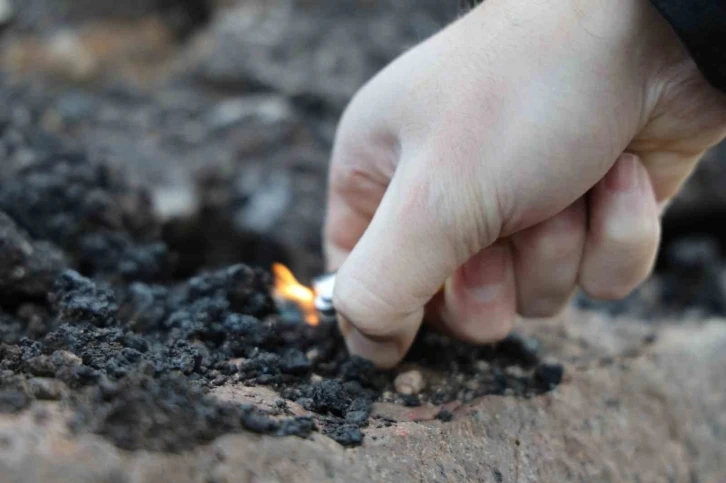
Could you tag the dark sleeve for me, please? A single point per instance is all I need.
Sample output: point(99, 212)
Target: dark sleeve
point(701, 25)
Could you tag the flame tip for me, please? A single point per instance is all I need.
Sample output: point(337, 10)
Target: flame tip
point(289, 289)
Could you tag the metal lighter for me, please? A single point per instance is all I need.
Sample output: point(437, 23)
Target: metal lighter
point(323, 287)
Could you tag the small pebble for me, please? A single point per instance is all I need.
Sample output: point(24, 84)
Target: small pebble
point(549, 375)
point(408, 383)
point(347, 435)
point(295, 362)
point(445, 415)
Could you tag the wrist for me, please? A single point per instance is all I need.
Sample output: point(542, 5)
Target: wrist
point(611, 37)
point(632, 27)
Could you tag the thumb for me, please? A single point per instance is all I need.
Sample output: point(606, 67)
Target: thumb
point(424, 228)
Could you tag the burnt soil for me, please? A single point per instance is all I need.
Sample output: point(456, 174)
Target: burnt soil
point(94, 314)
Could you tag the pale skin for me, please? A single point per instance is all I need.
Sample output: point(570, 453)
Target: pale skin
point(526, 150)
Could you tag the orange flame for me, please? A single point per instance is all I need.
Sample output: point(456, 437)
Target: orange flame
point(288, 288)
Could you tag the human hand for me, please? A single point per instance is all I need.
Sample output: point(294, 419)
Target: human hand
point(489, 160)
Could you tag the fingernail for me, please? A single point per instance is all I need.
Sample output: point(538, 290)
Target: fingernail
point(623, 176)
point(485, 273)
point(384, 354)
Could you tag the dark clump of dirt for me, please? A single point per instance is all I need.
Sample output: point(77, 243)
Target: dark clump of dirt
point(139, 369)
point(444, 415)
point(167, 413)
point(90, 212)
point(94, 312)
point(456, 371)
point(27, 268)
point(548, 375)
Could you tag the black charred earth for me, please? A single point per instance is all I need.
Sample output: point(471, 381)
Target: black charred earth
point(94, 314)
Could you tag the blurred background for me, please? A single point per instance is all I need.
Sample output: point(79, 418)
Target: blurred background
point(225, 111)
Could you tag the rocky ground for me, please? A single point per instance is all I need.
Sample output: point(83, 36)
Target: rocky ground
point(158, 155)
point(631, 408)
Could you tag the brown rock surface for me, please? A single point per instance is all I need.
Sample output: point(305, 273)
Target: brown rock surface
point(631, 408)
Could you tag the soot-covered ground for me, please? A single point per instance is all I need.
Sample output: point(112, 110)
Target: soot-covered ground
point(93, 313)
